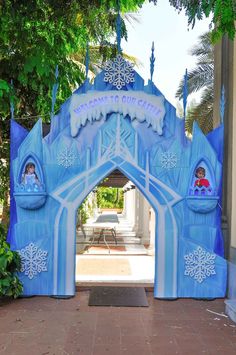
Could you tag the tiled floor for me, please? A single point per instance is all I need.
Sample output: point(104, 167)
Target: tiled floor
point(47, 326)
point(132, 264)
point(115, 269)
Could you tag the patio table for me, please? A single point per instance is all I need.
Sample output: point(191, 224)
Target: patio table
point(105, 230)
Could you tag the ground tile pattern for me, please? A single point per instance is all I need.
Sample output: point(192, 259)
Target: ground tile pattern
point(47, 326)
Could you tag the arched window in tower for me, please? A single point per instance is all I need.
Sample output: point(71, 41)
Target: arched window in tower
point(30, 179)
point(30, 192)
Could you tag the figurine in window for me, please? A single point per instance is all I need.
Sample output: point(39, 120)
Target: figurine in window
point(30, 178)
point(200, 174)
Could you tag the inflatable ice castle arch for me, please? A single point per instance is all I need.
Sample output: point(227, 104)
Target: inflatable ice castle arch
point(118, 122)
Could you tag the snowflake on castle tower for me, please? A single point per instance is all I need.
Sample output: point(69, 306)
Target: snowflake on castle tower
point(199, 264)
point(66, 157)
point(119, 72)
point(33, 260)
point(168, 160)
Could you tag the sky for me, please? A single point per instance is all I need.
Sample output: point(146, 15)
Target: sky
point(172, 39)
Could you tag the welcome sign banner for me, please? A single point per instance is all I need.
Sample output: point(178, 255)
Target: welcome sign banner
point(95, 106)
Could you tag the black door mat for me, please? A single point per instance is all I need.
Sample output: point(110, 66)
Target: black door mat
point(118, 296)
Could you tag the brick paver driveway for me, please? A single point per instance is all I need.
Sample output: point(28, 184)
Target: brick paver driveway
point(46, 326)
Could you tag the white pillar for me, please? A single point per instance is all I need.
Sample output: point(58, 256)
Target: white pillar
point(133, 206)
point(136, 210)
point(130, 206)
point(145, 221)
point(139, 218)
point(124, 205)
point(152, 230)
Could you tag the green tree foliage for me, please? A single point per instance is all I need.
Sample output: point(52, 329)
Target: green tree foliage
point(9, 265)
point(110, 197)
point(223, 14)
point(201, 77)
point(83, 213)
point(36, 36)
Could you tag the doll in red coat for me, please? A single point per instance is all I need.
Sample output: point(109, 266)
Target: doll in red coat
point(200, 175)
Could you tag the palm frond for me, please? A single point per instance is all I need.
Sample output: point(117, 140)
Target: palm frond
point(204, 59)
point(202, 113)
point(203, 47)
point(202, 76)
point(131, 17)
point(198, 78)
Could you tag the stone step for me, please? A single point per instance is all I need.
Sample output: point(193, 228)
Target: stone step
point(85, 285)
point(118, 235)
point(110, 242)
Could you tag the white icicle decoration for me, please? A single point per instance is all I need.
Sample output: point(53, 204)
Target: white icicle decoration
point(95, 105)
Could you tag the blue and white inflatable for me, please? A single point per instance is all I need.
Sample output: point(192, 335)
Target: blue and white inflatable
point(118, 123)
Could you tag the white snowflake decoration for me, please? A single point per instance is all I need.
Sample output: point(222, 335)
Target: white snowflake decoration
point(66, 157)
point(168, 160)
point(199, 264)
point(33, 260)
point(119, 72)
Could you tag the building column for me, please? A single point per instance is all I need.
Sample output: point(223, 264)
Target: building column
point(232, 115)
point(142, 218)
point(225, 74)
point(139, 214)
point(136, 208)
point(152, 231)
point(129, 202)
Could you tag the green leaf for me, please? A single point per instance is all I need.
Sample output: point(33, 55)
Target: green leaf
point(3, 262)
point(5, 282)
point(4, 85)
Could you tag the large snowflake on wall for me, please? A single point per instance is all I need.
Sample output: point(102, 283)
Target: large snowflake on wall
point(33, 260)
point(199, 264)
point(119, 72)
point(66, 157)
point(168, 160)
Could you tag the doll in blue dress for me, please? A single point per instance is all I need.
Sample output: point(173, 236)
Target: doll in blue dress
point(30, 178)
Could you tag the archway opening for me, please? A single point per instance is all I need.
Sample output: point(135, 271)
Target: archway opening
point(115, 234)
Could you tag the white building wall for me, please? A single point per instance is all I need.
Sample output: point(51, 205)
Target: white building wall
point(140, 214)
point(129, 206)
